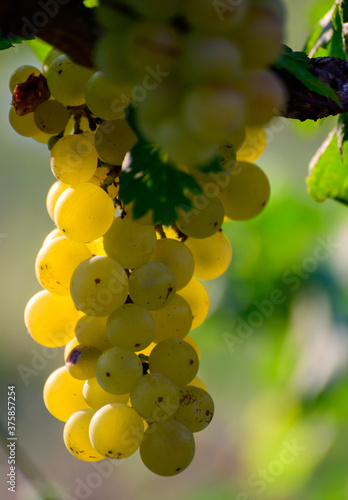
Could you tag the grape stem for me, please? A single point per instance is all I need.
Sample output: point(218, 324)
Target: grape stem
point(73, 29)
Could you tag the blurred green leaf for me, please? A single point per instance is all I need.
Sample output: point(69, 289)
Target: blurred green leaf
point(6, 42)
point(40, 48)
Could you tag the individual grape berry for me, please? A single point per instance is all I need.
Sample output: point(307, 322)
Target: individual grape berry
point(196, 408)
point(81, 361)
point(76, 436)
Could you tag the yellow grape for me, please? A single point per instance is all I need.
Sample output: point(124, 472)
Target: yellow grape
point(204, 218)
point(173, 320)
point(81, 361)
point(21, 74)
point(52, 196)
point(116, 430)
point(113, 139)
point(50, 319)
point(253, 145)
point(198, 383)
point(177, 257)
point(91, 330)
point(96, 396)
point(197, 298)
point(84, 212)
point(23, 125)
point(105, 99)
point(62, 394)
point(55, 233)
point(51, 117)
point(212, 255)
point(69, 346)
point(76, 436)
point(193, 343)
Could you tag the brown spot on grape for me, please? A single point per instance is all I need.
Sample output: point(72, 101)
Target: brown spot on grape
point(136, 345)
point(107, 374)
point(177, 470)
point(159, 400)
point(191, 361)
point(97, 281)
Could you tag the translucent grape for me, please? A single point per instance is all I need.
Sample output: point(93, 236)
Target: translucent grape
point(52, 196)
point(69, 346)
point(198, 383)
point(152, 285)
point(76, 436)
point(51, 117)
point(167, 448)
point(97, 247)
point(173, 320)
point(96, 396)
point(66, 81)
point(217, 19)
point(74, 158)
point(131, 326)
point(212, 256)
point(129, 243)
point(51, 56)
point(118, 369)
point(197, 297)
point(113, 139)
point(84, 212)
point(98, 286)
point(196, 408)
point(23, 125)
point(253, 145)
point(50, 318)
point(116, 430)
point(21, 74)
point(204, 219)
point(155, 397)
point(193, 343)
point(81, 361)
point(175, 359)
point(56, 262)
point(91, 330)
point(62, 394)
point(266, 97)
point(106, 99)
point(247, 193)
point(177, 257)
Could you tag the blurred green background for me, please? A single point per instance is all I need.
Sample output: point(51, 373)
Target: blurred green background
point(273, 350)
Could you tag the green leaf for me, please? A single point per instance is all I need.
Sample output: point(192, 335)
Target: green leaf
point(40, 48)
point(91, 3)
point(329, 167)
point(298, 64)
point(154, 184)
point(6, 42)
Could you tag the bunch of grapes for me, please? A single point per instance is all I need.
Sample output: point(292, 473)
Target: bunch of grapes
point(198, 70)
point(122, 295)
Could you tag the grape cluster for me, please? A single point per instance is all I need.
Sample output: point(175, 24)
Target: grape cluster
point(198, 70)
point(120, 294)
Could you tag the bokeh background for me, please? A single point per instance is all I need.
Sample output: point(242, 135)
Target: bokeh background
point(273, 349)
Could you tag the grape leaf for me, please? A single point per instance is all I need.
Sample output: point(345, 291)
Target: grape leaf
point(328, 176)
point(40, 48)
point(154, 184)
point(6, 42)
point(298, 64)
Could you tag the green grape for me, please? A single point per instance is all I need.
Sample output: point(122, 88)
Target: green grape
point(266, 97)
point(173, 320)
point(247, 193)
point(55, 233)
point(21, 74)
point(167, 448)
point(50, 318)
point(113, 139)
point(98, 286)
point(66, 81)
point(76, 436)
point(23, 125)
point(105, 99)
point(118, 369)
point(177, 257)
point(155, 397)
point(213, 110)
point(51, 117)
point(152, 44)
point(52, 196)
point(197, 298)
point(206, 58)
point(212, 255)
point(157, 9)
point(84, 212)
point(51, 56)
point(215, 18)
point(237, 138)
point(152, 285)
point(96, 396)
point(192, 343)
point(253, 145)
point(91, 330)
point(62, 394)
point(204, 218)
point(175, 359)
point(116, 430)
point(74, 159)
point(131, 326)
point(81, 361)
point(129, 243)
point(196, 408)
point(56, 262)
